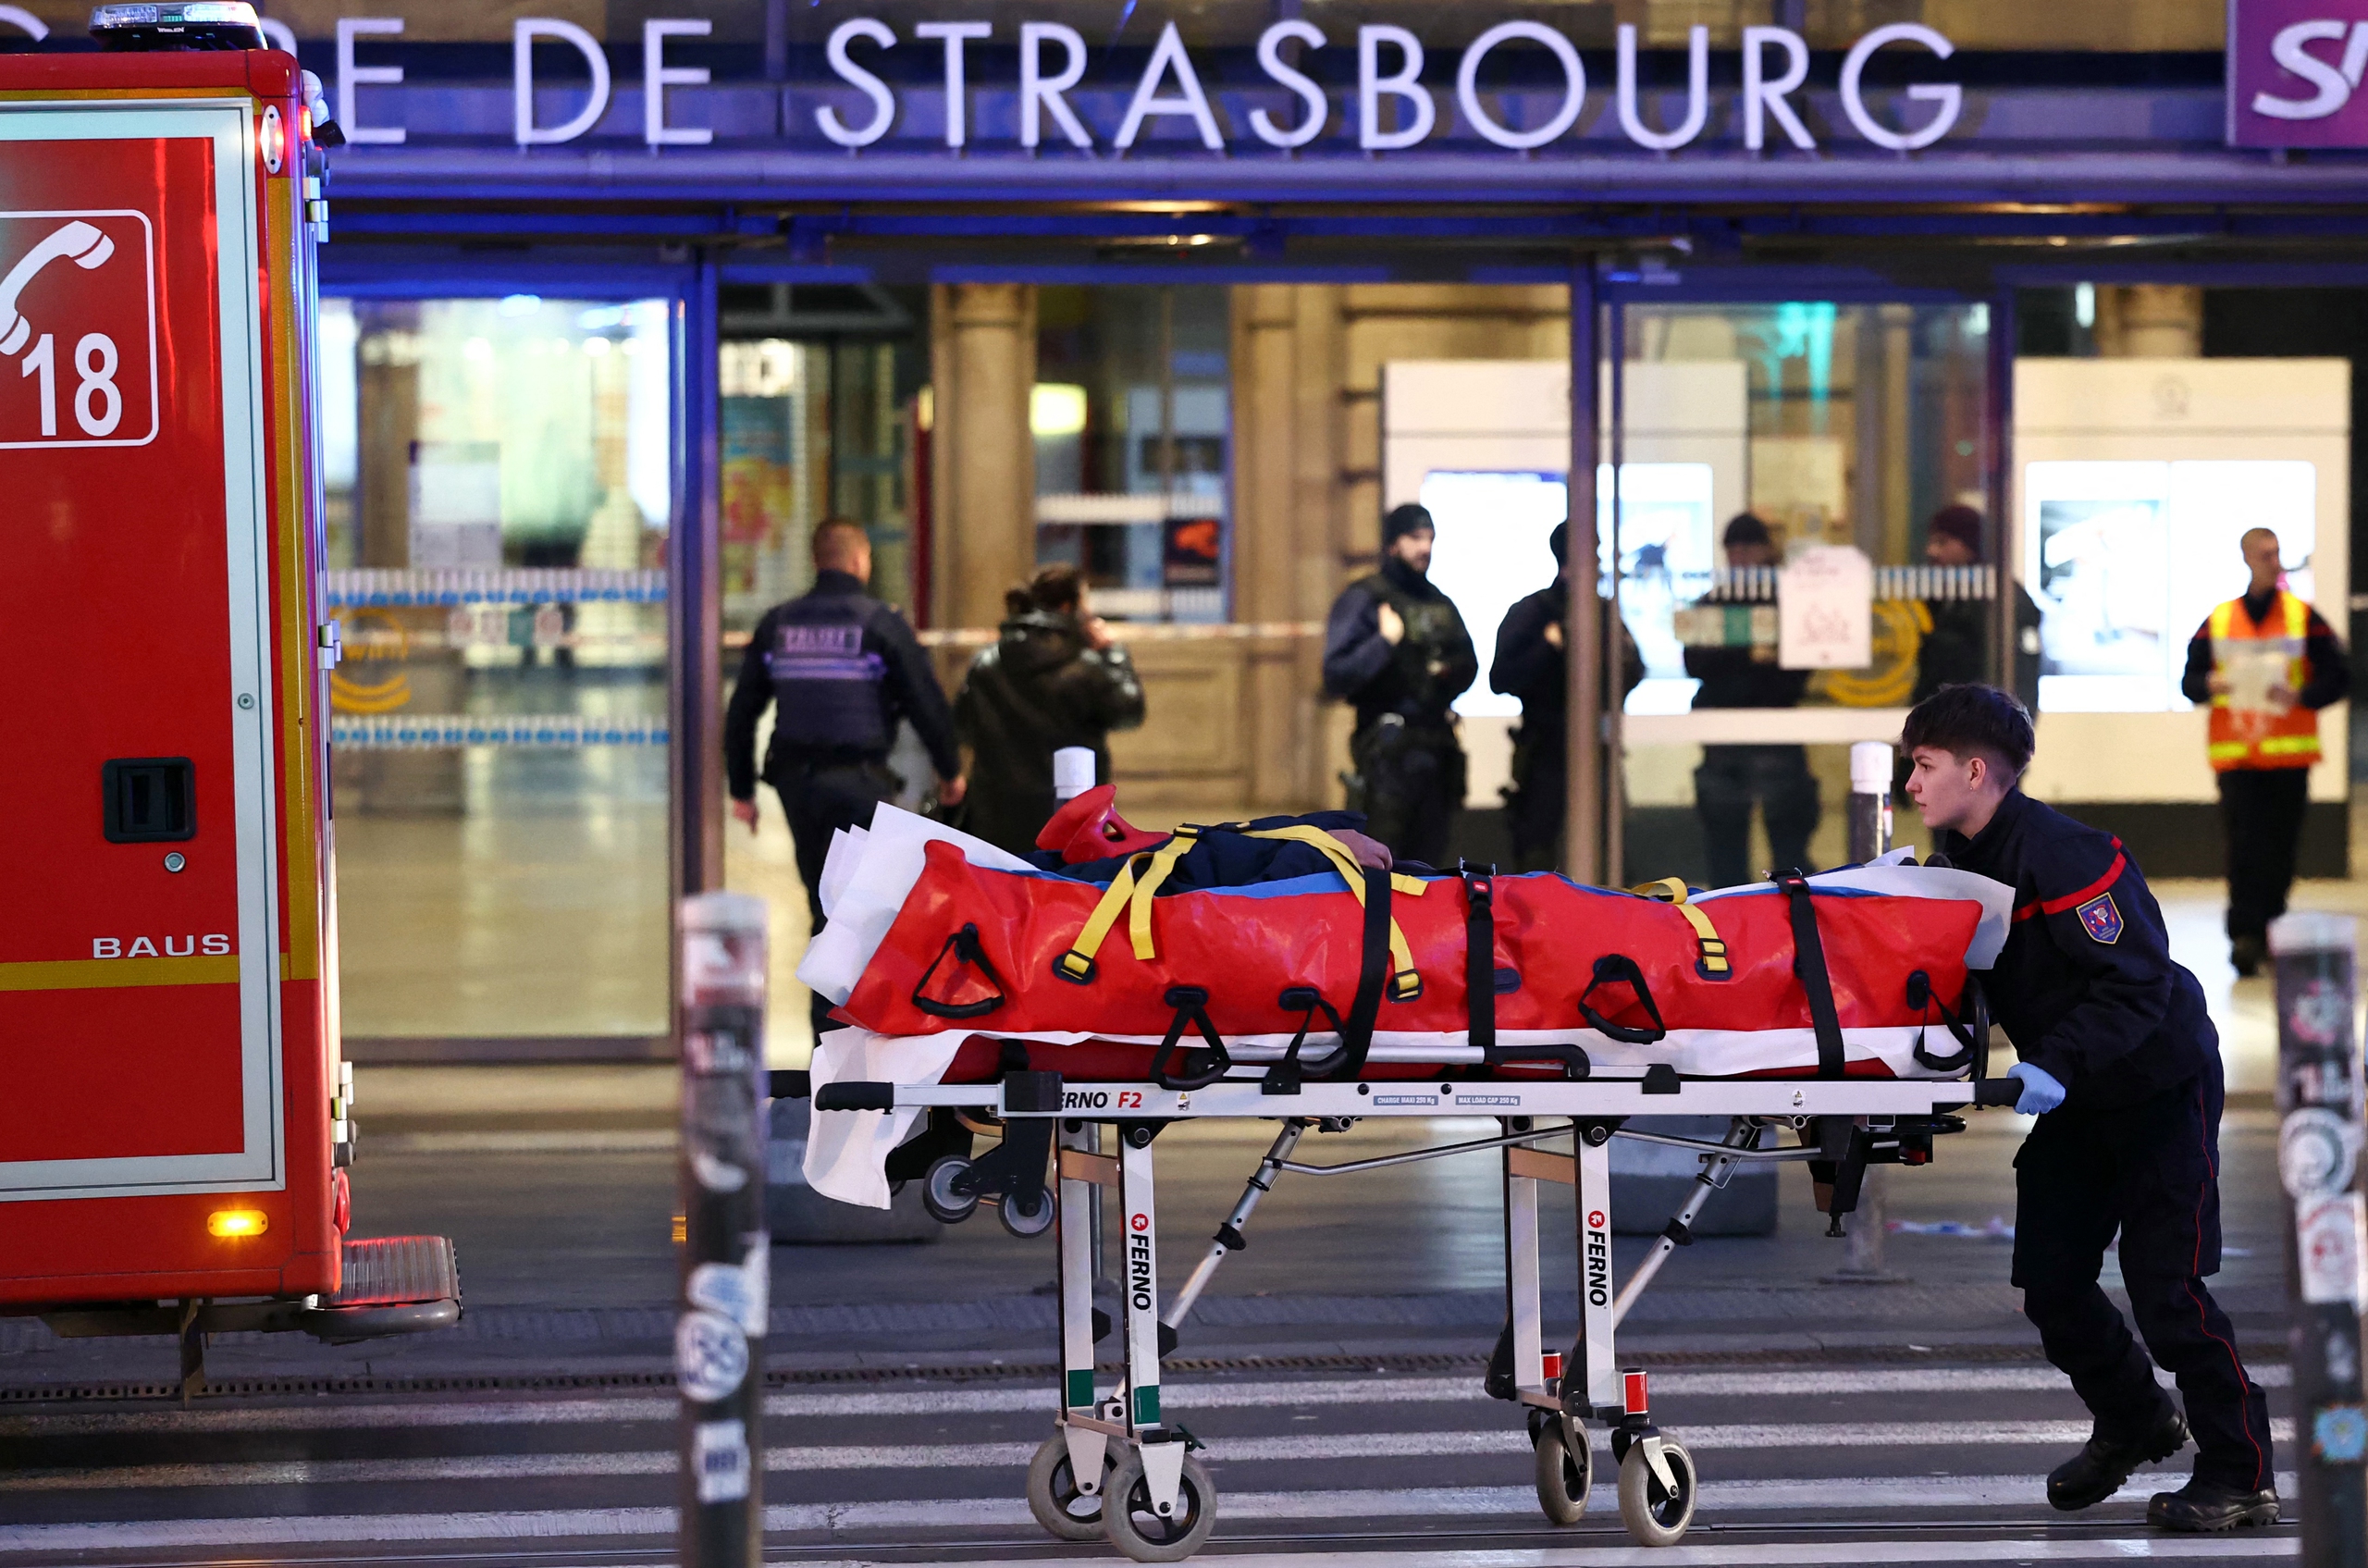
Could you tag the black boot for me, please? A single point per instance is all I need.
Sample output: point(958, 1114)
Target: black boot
point(2098, 1471)
point(2207, 1505)
point(2245, 955)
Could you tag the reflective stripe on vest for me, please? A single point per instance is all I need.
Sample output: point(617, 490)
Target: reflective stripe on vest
point(2258, 737)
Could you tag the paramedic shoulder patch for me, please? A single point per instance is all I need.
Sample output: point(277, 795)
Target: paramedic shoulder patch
point(2101, 918)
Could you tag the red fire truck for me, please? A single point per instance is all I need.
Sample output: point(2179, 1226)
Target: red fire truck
point(174, 1116)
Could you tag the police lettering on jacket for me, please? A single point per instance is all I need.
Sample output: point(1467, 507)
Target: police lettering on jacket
point(825, 685)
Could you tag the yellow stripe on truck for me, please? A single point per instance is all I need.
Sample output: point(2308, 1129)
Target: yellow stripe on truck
point(93, 974)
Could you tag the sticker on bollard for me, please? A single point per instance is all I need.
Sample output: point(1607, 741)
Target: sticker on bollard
point(736, 1290)
point(710, 1356)
point(719, 1458)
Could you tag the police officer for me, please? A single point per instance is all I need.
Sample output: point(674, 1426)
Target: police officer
point(1745, 673)
point(2121, 1067)
point(1533, 663)
point(1956, 643)
point(842, 670)
point(2265, 733)
point(1395, 648)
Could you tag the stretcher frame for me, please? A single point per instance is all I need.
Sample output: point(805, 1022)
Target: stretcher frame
point(1851, 1122)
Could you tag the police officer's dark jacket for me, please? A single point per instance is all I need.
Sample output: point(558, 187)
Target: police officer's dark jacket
point(1418, 679)
point(2086, 987)
point(844, 669)
point(1529, 667)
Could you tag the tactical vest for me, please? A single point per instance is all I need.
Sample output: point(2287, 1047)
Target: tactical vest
point(826, 688)
point(1417, 662)
point(2256, 738)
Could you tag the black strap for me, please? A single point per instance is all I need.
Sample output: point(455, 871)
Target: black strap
point(1201, 1067)
point(1373, 971)
point(1480, 955)
point(1920, 997)
point(1619, 969)
point(965, 946)
point(1808, 967)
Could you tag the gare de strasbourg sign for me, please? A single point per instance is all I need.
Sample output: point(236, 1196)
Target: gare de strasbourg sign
point(1391, 109)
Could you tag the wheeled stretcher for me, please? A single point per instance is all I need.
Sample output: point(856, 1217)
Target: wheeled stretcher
point(1848, 972)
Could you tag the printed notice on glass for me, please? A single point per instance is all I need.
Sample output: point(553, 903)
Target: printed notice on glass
point(1825, 610)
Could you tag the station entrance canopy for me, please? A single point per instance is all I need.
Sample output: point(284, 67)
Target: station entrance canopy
point(1420, 103)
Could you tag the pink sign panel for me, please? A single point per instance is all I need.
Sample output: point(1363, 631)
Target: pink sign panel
point(2294, 73)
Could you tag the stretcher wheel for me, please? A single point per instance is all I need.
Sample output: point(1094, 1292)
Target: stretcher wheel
point(1142, 1535)
point(1052, 1496)
point(938, 1195)
point(1654, 1515)
point(1026, 1222)
point(1564, 1478)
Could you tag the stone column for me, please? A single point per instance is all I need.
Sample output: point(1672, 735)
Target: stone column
point(982, 371)
point(2150, 321)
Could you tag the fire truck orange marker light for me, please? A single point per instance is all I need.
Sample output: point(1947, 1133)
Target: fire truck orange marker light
point(237, 1222)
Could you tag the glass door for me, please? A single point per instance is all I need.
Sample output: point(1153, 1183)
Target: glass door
point(1793, 515)
point(499, 487)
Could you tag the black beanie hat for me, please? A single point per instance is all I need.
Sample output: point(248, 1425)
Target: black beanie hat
point(1403, 520)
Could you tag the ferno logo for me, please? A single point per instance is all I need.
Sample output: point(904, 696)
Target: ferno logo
point(1139, 1270)
point(144, 947)
point(2332, 76)
point(1140, 1222)
point(1598, 1261)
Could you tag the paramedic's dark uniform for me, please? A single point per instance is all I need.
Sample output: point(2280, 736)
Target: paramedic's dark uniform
point(2088, 991)
point(842, 670)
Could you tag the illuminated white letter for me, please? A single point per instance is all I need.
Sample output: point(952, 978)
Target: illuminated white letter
point(1467, 85)
point(1270, 60)
point(956, 93)
point(523, 33)
point(1948, 96)
point(351, 76)
point(657, 76)
point(2287, 49)
point(1040, 94)
point(1168, 56)
point(883, 102)
point(1763, 97)
point(1697, 91)
point(1372, 86)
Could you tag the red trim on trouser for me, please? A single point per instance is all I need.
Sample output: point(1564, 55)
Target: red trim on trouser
point(2073, 900)
point(2204, 1319)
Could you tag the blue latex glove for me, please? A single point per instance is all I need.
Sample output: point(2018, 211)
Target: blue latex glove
point(2042, 1094)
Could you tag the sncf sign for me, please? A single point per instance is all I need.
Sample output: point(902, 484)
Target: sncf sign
point(2294, 73)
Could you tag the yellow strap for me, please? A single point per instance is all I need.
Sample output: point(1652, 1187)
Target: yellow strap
point(1078, 962)
point(1163, 861)
point(1403, 981)
point(1672, 889)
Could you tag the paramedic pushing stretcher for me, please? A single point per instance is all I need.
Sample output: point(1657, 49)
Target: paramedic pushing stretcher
point(2121, 1068)
point(842, 670)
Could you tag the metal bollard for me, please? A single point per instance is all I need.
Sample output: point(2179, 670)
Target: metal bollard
point(727, 1256)
point(2318, 1162)
point(1869, 822)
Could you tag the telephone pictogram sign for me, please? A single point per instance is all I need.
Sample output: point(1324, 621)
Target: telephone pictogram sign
point(78, 329)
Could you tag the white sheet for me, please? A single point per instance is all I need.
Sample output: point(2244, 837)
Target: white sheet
point(864, 879)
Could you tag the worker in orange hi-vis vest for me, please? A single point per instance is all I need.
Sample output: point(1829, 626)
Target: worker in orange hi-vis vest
point(2266, 663)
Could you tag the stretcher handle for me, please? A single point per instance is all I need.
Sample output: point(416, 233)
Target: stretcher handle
point(1920, 997)
point(965, 946)
point(1614, 968)
point(1998, 1091)
point(854, 1095)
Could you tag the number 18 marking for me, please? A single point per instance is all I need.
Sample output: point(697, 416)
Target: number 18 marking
point(98, 403)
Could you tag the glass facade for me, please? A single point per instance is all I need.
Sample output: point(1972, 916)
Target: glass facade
point(1132, 421)
point(500, 484)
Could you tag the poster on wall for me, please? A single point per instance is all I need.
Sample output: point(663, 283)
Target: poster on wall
point(2125, 559)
